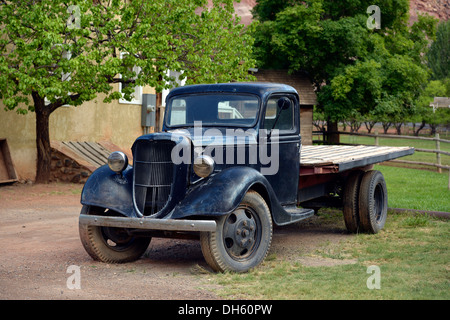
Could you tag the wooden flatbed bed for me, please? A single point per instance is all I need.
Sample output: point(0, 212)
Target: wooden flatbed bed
point(324, 169)
point(336, 158)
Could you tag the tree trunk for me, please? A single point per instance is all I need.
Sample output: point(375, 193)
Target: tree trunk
point(159, 112)
point(386, 126)
point(333, 135)
point(398, 127)
point(42, 141)
point(433, 129)
point(369, 125)
point(416, 132)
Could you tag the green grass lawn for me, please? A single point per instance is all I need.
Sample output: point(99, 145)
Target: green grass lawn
point(416, 189)
point(411, 253)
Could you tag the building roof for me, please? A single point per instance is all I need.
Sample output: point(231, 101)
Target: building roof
point(440, 102)
point(300, 82)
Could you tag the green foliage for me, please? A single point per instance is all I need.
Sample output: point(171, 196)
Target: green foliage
point(82, 42)
point(66, 53)
point(435, 88)
point(357, 71)
point(438, 61)
point(438, 56)
point(266, 10)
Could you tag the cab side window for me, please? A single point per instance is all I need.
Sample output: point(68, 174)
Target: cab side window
point(286, 119)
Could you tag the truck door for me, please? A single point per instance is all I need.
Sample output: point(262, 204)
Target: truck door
point(283, 148)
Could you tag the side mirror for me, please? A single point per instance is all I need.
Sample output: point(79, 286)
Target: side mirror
point(283, 103)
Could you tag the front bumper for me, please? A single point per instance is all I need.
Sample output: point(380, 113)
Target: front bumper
point(148, 223)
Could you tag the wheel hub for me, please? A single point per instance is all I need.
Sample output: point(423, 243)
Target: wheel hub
point(245, 233)
point(116, 237)
point(240, 233)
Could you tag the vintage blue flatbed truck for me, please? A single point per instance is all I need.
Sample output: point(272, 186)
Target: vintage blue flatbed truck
point(227, 167)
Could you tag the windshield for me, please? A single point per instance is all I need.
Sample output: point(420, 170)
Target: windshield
point(212, 110)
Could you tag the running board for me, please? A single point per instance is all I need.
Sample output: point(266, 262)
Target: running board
point(296, 214)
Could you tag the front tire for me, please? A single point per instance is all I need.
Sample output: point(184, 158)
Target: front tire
point(110, 245)
point(242, 238)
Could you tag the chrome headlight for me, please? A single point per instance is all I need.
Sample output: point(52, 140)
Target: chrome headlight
point(203, 166)
point(117, 161)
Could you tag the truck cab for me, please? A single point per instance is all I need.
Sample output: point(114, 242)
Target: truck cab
point(225, 168)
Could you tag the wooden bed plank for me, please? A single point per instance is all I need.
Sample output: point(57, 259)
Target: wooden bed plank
point(345, 156)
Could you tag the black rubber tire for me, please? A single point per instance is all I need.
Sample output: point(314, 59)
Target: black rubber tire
point(242, 238)
point(110, 245)
point(351, 200)
point(373, 202)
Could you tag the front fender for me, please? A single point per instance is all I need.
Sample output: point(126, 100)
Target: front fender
point(109, 190)
point(222, 193)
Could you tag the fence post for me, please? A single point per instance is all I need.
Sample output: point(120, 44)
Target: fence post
point(438, 155)
point(376, 138)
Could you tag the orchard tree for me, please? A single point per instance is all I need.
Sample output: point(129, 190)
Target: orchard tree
point(54, 53)
point(428, 115)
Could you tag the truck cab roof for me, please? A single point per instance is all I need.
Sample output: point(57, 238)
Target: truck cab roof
point(261, 89)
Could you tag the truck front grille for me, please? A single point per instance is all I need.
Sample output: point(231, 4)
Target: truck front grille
point(153, 175)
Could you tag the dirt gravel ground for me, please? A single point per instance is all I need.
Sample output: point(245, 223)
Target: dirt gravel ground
point(41, 253)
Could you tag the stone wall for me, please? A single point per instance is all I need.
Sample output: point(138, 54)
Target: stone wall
point(64, 169)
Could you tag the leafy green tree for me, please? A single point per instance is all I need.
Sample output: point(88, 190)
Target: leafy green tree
point(354, 68)
point(438, 60)
point(55, 52)
point(439, 54)
point(426, 114)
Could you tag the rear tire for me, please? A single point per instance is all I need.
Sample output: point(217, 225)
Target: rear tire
point(351, 200)
point(373, 202)
point(111, 245)
point(242, 238)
